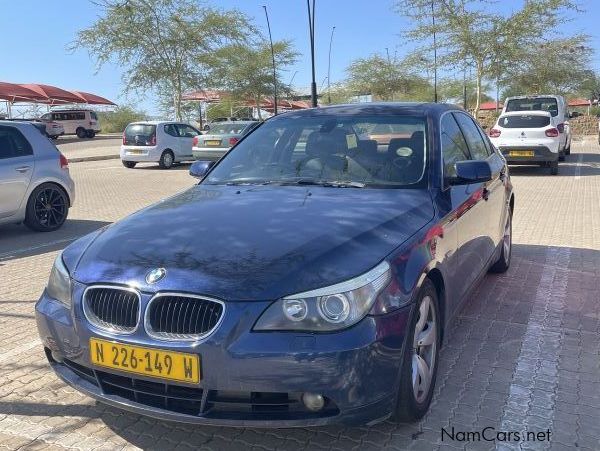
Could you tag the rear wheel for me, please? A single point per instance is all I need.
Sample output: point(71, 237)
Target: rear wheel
point(47, 208)
point(166, 160)
point(420, 361)
point(129, 164)
point(81, 133)
point(561, 155)
point(554, 168)
point(503, 262)
point(90, 133)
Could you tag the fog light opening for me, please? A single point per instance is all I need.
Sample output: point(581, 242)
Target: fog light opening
point(313, 402)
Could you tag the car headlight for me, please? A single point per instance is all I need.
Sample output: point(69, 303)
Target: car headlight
point(59, 283)
point(325, 309)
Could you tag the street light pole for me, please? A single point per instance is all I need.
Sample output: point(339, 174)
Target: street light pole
point(274, 70)
point(311, 29)
point(329, 68)
point(435, 94)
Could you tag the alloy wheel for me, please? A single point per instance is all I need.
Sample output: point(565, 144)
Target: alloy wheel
point(424, 349)
point(507, 240)
point(50, 208)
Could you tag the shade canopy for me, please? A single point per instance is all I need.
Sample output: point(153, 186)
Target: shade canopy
point(17, 93)
point(54, 94)
point(40, 93)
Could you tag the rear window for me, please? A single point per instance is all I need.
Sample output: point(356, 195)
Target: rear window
point(140, 129)
point(524, 121)
point(226, 129)
point(537, 104)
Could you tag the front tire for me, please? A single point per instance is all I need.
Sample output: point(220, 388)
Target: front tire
point(47, 208)
point(503, 262)
point(420, 360)
point(554, 168)
point(561, 155)
point(129, 164)
point(166, 160)
point(568, 150)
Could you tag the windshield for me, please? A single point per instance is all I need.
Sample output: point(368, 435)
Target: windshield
point(534, 104)
point(330, 151)
point(227, 129)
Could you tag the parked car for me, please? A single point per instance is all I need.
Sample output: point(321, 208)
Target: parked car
point(163, 142)
point(527, 138)
point(81, 122)
point(36, 186)
point(222, 137)
point(217, 120)
point(294, 285)
point(53, 129)
point(559, 112)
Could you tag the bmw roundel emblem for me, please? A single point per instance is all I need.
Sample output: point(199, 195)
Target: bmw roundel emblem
point(154, 275)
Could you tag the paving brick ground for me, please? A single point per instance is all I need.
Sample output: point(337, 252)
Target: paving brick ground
point(523, 354)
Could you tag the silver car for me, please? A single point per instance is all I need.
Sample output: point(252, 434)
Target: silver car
point(221, 137)
point(35, 185)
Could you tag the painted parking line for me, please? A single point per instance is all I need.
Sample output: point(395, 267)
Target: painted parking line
point(578, 167)
point(15, 352)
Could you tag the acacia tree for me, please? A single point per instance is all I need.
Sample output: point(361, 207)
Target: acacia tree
point(561, 66)
point(468, 31)
point(246, 70)
point(161, 44)
point(384, 78)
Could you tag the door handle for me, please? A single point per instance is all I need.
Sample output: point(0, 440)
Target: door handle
point(23, 169)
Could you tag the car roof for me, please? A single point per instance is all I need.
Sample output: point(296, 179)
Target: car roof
point(156, 122)
point(536, 96)
point(234, 122)
point(375, 108)
point(527, 113)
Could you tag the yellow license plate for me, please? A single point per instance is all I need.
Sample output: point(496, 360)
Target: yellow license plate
point(521, 153)
point(213, 143)
point(135, 151)
point(176, 366)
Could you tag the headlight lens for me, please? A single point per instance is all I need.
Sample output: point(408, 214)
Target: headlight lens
point(330, 308)
point(59, 284)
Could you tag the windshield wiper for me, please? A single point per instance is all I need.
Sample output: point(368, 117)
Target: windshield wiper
point(328, 183)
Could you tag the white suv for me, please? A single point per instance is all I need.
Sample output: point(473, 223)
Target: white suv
point(83, 123)
point(157, 141)
point(527, 137)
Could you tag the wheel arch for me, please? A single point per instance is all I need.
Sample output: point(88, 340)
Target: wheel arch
point(436, 277)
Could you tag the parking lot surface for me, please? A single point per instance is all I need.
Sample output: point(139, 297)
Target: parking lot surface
point(522, 355)
point(102, 146)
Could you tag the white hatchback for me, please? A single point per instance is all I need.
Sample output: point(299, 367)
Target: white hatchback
point(162, 142)
point(528, 138)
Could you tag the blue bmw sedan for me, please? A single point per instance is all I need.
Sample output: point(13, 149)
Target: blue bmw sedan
point(307, 279)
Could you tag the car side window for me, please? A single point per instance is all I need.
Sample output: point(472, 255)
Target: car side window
point(454, 146)
point(185, 131)
point(170, 129)
point(13, 144)
point(477, 145)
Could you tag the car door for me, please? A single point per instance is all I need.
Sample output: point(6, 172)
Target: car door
point(477, 237)
point(186, 136)
point(171, 140)
point(16, 168)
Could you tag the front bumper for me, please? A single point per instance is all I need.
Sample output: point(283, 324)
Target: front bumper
point(541, 154)
point(356, 370)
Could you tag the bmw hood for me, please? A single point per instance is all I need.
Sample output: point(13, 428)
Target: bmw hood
point(251, 242)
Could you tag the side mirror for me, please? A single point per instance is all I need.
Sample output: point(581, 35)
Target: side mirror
point(471, 171)
point(199, 169)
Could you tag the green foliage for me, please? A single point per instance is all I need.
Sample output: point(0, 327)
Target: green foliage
point(116, 121)
point(473, 32)
point(385, 79)
point(246, 70)
point(164, 45)
point(559, 66)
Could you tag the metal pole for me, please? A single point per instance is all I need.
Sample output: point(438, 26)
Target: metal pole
point(387, 50)
point(329, 68)
point(465, 88)
point(435, 94)
point(497, 86)
point(311, 29)
point(273, 58)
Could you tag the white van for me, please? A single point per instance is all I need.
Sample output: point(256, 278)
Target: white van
point(553, 104)
point(83, 123)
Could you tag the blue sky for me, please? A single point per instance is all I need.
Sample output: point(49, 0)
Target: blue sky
point(34, 39)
